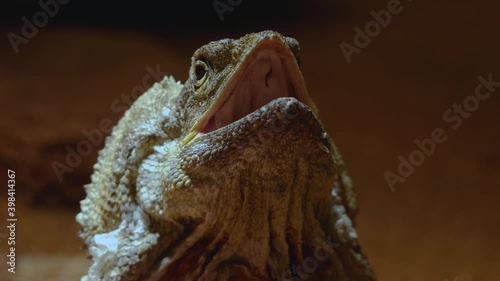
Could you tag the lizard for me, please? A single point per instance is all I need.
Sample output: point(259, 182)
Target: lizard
point(229, 176)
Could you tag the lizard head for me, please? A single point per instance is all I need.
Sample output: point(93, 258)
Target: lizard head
point(228, 177)
point(252, 162)
point(231, 78)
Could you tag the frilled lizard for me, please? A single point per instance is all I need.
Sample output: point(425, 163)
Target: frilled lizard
point(230, 176)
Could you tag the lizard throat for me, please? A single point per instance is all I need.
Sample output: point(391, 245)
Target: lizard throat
point(269, 73)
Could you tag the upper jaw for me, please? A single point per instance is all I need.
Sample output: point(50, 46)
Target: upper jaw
point(268, 71)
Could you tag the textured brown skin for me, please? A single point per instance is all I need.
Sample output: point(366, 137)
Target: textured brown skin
point(253, 200)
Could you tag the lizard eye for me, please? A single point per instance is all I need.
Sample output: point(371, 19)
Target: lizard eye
point(200, 72)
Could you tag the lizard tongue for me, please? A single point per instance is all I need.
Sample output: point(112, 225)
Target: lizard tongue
point(263, 81)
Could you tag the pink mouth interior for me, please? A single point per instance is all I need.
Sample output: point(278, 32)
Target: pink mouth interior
point(265, 79)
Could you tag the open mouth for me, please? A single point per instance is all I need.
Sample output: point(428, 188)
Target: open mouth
point(269, 72)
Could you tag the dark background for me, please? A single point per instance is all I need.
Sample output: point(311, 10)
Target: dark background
point(177, 16)
point(440, 224)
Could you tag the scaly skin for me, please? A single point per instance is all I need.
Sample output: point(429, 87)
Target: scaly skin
point(184, 191)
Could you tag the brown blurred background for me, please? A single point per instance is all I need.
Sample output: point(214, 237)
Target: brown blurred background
point(441, 223)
